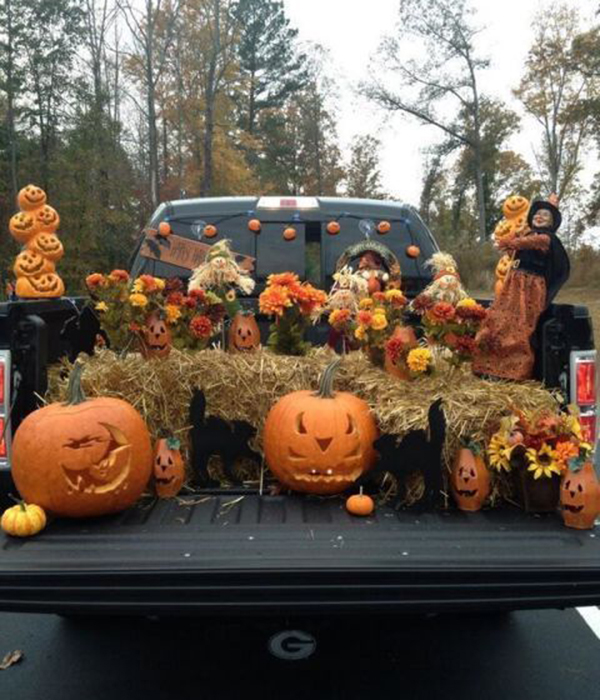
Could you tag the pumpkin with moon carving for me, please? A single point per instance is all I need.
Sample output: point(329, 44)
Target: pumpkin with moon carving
point(244, 334)
point(320, 442)
point(580, 498)
point(82, 458)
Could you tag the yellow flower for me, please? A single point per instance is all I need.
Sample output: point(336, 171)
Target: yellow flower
point(138, 286)
point(542, 462)
point(160, 283)
point(468, 302)
point(499, 452)
point(137, 299)
point(366, 303)
point(379, 310)
point(230, 295)
point(419, 359)
point(392, 294)
point(378, 322)
point(360, 333)
point(101, 306)
point(173, 313)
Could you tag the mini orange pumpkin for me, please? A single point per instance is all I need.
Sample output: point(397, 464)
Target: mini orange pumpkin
point(580, 498)
point(254, 225)
point(320, 442)
point(469, 480)
point(97, 455)
point(333, 228)
point(155, 337)
point(47, 285)
point(169, 471)
point(384, 227)
point(244, 333)
point(23, 520)
point(29, 263)
point(48, 245)
point(360, 504)
point(47, 217)
point(289, 234)
point(164, 229)
point(210, 231)
point(413, 251)
point(23, 227)
point(31, 197)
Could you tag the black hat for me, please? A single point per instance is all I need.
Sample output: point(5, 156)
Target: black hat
point(540, 204)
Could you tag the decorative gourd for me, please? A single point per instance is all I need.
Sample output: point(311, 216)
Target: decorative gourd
point(244, 333)
point(289, 233)
point(46, 285)
point(210, 231)
point(31, 197)
point(360, 504)
point(384, 227)
point(580, 498)
point(469, 480)
point(155, 337)
point(169, 472)
point(23, 227)
point(164, 229)
point(23, 520)
point(413, 251)
point(254, 225)
point(515, 206)
point(29, 263)
point(333, 228)
point(48, 245)
point(82, 458)
point(320, 442)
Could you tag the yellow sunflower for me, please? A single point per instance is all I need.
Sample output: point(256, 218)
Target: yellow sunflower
point(499, 452)
point(230, 295)
point(543, 462)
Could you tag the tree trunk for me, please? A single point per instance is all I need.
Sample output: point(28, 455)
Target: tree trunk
point(10, 95)
point(151, 109)
point(209, 111)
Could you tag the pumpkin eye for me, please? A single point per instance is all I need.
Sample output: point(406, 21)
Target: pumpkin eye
point(351, 425)
point(473, 473)
point(300, 427)
point(580, 488)
point(567, 485)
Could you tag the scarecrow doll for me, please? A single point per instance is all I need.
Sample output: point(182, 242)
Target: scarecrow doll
point(539, 268)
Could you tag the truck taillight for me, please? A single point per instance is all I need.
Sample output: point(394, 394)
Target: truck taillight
point(583, 391)
point(3, 451)
point(585, 378)
point(2, 381)
point(588, 424)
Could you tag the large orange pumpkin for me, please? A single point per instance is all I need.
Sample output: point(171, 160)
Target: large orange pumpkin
point(320, 442)
point(83, 458)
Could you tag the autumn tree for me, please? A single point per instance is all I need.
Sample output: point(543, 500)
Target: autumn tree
point(363, 178)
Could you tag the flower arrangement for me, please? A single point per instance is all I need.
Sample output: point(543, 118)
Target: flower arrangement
point(293, 304)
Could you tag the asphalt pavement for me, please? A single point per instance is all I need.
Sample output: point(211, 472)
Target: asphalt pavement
point(538, 654)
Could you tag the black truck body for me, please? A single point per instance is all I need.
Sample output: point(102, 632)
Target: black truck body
point(241, 552)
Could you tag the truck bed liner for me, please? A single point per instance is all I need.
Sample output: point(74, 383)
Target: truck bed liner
point(228, 553)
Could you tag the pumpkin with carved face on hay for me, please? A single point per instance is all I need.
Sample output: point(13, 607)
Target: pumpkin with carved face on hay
point(580, 498)
point(155, 337)
point(169, 471)
point(320, 442)
point(469, 480)
point(244, 334)
point(83, 458)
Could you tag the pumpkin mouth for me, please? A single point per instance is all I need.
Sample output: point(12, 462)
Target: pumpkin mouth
point(164, 480)
point(327, 476)
point(466, 492)
point(572, 509)
point(156, 346)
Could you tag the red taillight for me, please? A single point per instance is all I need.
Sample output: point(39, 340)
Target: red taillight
point(2, 378)
point(2, 440)
point(585, 376)
point(588, 427)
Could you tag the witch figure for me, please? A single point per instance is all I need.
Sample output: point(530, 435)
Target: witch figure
point(540, 266)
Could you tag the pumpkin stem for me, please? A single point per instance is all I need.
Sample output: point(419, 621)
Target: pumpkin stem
point(326, 384)
point(19, 502)
point(75, 393)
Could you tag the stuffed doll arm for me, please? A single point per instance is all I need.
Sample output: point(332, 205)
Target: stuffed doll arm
point(534, 241)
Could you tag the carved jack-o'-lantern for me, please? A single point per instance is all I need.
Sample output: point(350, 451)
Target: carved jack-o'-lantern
point(519, 225)
point(23, 227)
point(469, 480)
point(503, 228)
point(155, 337)
point(31, 197)
point(515, 206)
point(320, 442)
point(244, 334)
point(169, 472)
point(29, 263)
point(580, 498)
point(47, 285)
point(48, 245)
point(97, 455)
point(502, 269)
point(47, 217)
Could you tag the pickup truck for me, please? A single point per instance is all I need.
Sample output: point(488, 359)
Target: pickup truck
point(286, 554)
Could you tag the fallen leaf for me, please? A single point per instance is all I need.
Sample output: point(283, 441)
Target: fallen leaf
point(12, 658)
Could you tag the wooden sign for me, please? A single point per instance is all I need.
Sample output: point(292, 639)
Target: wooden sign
point(185, 253)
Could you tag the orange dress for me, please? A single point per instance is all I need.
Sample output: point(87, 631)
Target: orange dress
point(504, 341)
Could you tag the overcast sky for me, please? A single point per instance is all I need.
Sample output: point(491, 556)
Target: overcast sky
point(351, 31)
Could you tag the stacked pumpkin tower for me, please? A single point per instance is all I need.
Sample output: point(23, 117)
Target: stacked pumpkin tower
point(34, 227)
point(514, 223)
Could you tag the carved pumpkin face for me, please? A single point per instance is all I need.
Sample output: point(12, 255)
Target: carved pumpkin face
point(469, 480)
point(503, 266)
point(320, 443)
point(23, 227)
point(48, 218)
point(48, 245)
point(244, 334)
point(503, 228)
point(580, 498)
point(97, 457)
point(519, 225)
point(169, 472)
point(46, 285)
point(156, 337)
point(31, 197)
point(515, 206)
point(28, 263)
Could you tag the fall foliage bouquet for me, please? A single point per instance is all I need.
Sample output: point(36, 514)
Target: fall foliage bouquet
point(453, 326)
point(293, 304)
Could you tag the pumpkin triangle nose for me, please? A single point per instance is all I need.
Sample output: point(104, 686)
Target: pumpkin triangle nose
point(324, 443)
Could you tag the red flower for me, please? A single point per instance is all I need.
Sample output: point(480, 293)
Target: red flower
point(190, 302)
point(395, 348)
point(364, 318)
point(95, 280)
point(465, 345)
point(471, 313)
point(174, 284)
point(198, 294)
point(148, 282)
point(119, 276)
point(175, 298)
point(442, 312)
point(422, 303)
point(216, 313)
point(201, 327)
point(378, 297)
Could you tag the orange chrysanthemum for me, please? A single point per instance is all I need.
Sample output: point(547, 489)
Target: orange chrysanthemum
point(441, 312)
point(119, 276)
point(565, 451)
point(274, 300)
point(95, 280)
point(365, 317)
point(283, 279)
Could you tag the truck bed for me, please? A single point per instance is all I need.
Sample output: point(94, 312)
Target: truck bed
point(286, 554)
